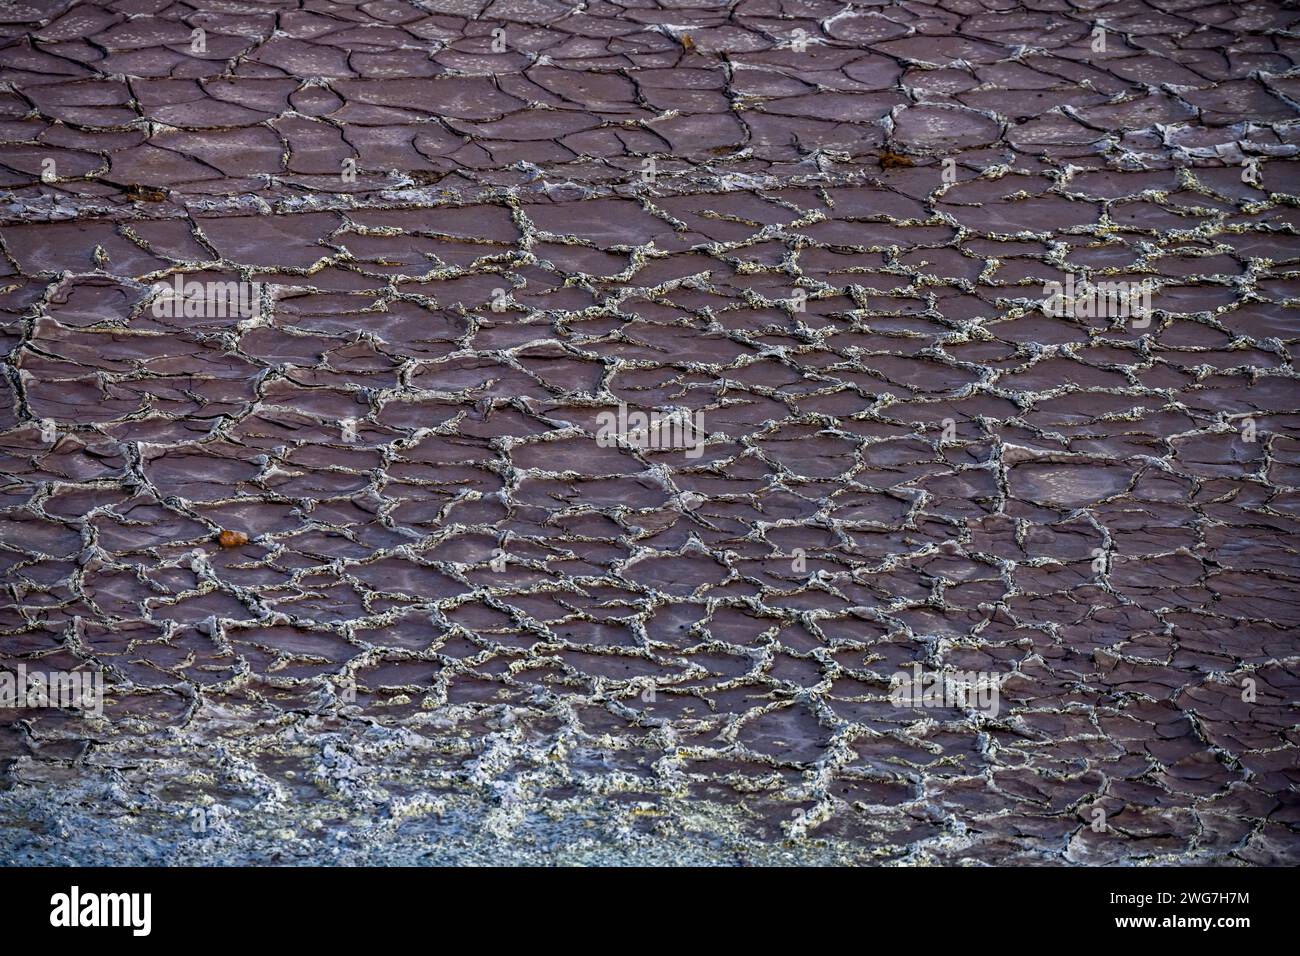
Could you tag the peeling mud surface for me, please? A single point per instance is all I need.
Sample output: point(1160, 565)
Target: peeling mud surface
point(460, 629)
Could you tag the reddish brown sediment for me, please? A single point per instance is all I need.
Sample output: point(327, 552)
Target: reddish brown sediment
point(365, 586)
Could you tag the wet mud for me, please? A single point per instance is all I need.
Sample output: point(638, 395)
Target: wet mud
point(365, 586)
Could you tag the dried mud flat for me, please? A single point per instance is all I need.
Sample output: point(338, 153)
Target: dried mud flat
point(461, 629)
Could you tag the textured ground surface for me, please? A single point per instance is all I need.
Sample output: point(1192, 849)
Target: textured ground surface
point(566, 652)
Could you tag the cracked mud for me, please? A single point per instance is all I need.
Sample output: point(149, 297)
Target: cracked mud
point(364, 586)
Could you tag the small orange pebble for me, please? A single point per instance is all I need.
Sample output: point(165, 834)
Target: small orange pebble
point(145, 194)
point(688, 42)
point(892, 160)
point(232, 539)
